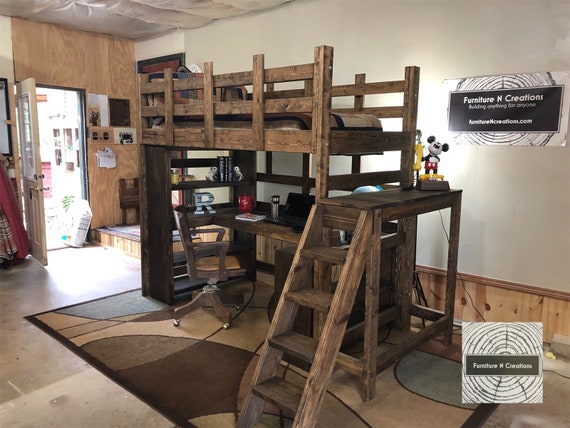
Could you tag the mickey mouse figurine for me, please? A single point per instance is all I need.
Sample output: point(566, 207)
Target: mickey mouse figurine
point(431, 180)
point(431, 160)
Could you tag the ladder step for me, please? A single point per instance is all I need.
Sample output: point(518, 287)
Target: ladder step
point(311, 298)
point(280, 393)
point(295, 345)
point(332, 255)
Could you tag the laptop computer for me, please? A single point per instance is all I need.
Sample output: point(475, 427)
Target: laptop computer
point(296, 211)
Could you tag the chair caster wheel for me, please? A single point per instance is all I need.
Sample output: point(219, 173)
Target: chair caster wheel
point(176, 323)
point(226, 326)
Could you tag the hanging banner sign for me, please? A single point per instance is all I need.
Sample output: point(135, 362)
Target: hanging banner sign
point(523, 109)
point(509, 110)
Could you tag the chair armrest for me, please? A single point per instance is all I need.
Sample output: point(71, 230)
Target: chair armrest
point(220, 231)
point(220, 247)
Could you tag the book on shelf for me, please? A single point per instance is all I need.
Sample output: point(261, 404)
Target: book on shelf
point(250, 217)
point(226, 168)
point(221, 168)
point(229, 161)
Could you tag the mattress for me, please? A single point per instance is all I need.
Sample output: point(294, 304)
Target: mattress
point(288, 121)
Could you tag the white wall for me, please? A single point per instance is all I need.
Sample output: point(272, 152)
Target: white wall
point(6, 57)
point(516, 202)
point(168, 44)
point(6, 60)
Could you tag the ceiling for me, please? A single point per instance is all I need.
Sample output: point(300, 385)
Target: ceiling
point(133, 19)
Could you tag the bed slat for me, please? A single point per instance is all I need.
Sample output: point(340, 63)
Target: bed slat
point(385, 112)
point(367, 142)
point(350, 182)
point(368, 88)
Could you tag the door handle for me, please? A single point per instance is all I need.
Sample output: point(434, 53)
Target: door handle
point(35, 189)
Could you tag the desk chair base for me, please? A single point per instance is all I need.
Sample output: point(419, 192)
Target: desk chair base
point(211, 296)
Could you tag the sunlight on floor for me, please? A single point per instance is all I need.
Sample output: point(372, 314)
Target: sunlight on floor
point(77, 270)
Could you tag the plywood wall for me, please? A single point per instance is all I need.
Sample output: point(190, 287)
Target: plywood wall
point(98, 64)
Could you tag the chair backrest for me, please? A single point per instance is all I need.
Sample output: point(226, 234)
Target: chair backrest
point(206, 260)
point(186, 239)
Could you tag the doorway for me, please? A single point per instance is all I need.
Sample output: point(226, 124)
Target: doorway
point(61, 122)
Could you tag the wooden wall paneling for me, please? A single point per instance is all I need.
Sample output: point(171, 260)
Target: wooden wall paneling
point(60, 57)
point(503, 305)
point(501, 302)
point(532, 307)
point(49, 53)
point(556, 317)
point(104, 194)
point(98, 72)
point(97, 64)
point(266, 247)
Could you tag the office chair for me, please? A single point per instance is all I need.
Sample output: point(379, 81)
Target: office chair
point(210, 261)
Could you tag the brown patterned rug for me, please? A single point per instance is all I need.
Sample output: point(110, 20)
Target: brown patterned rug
point(197, 374)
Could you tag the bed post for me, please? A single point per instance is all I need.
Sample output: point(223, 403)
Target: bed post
point(258, 101)
point(209, 105)
point(168, 105)
point(405, 254)
point(409, 124)
point(359, 79)
point(321, 132)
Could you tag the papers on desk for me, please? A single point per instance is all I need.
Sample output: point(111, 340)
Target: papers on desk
point(106, 158)
point(249, 217)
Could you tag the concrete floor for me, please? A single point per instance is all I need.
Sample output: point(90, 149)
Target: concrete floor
point(43, 384)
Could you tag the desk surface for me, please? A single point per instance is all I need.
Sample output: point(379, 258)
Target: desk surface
point(397, 204)
point(226, 218)
point(388, 198)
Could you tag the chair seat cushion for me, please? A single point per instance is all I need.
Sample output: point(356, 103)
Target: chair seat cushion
point(213, 263)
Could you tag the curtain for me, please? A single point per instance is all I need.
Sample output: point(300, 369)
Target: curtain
point(14, 241)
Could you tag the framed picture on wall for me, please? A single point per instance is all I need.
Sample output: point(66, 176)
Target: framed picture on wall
point(5, 131)
point(161, 63)
point(119, 112)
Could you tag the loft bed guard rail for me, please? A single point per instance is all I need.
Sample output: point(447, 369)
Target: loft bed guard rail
point(256, 107)
point(205, 120)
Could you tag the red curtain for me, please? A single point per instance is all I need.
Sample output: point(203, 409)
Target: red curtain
point(14, 241)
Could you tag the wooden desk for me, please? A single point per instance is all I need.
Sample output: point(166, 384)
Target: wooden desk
point(367, 215)
point(261, 228)
point(403, 206)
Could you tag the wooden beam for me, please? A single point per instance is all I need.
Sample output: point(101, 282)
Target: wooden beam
point(322, 83)
point(258, 101)
point(208, 105)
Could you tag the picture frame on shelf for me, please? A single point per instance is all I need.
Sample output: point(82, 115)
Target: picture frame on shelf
point(158, 64)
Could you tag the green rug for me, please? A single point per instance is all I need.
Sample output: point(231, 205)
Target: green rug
point(197, 374)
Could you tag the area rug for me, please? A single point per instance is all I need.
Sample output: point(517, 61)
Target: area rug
point(197, 374)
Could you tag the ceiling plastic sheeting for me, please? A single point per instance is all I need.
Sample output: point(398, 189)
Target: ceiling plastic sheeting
point(132, 19)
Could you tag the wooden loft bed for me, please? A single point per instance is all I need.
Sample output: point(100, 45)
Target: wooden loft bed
point(193, 114)
point(314, 98)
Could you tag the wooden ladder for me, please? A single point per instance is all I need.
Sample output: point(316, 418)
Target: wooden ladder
point(314, 250)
